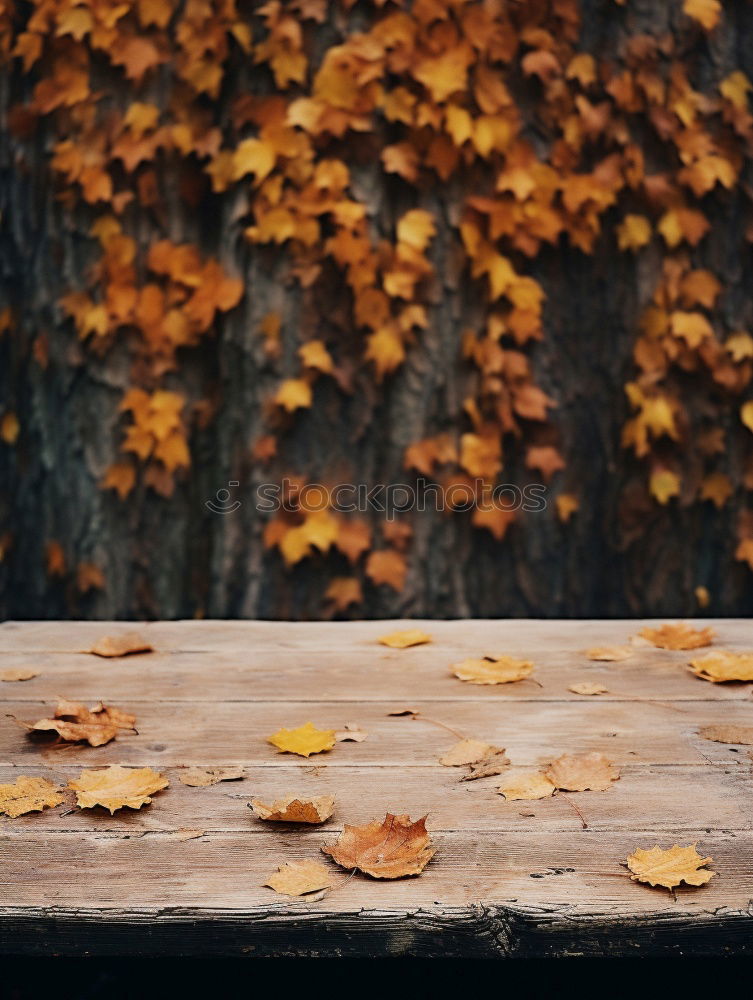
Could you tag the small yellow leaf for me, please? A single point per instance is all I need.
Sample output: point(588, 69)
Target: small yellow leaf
point(9, 428)
point(723, 666)
point(18, 674)
point(299, 878)
point(582, 772)
point(705, 12)
point(492, 670)
point(26, 795)
point(587, 688)
point(746, 414)
point(467, 752)
point(405, 638)
point(663, 485)
point(610, 654)
point(294, 394)
point(670, 867)
point(304, 740)
point(201, 777)
point(527, 785)
point(116, 787)
point(678, 636)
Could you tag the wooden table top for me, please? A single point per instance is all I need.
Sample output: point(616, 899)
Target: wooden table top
point(509, 878)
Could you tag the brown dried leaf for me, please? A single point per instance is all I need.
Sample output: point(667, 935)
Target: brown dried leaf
point(609, 654)
point(404, 711)
point(125, 644)
point(467, 752)
point(723, 666)
point(492, 670)
point(527, 785)
point(678, 636)
point(583, 772)
point(350, 733)
point(200, 777)
point(494, 763)
point(741, 735)
point(18, 674)
point(405, 638)
point(392, 848)
point(294, 809)
point(115, 787)
point(587, 688)
point(26, 795)
point(75, 722)
point(299, 878)
point(670, 867)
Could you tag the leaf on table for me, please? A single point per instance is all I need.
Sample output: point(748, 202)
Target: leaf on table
point(295, 809)
point(75, 723)
point(527, 785)
point(587, 688)
point(467, 752)
point(18, 674)
point(582, 772)
point(304, 740)
point(669, 867)
point(609, 654)
point(492, 670)
point(350, 733)
point(742, 735)
point(391, 848)
point(723, 666)
point(125, 644)
point(200, 777)
point(299, 878)
point(115, 787)
point(404, 711)
point(402, 640)
point(678, 636)
point(27, 795)
point(183, 834)
point(494, 763)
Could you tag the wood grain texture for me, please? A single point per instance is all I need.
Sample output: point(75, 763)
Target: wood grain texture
point(510, 878)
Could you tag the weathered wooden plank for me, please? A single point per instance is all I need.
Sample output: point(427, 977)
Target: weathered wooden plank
point(669, 799)
point(375, 674)
point(245, 636)
point(533, 733)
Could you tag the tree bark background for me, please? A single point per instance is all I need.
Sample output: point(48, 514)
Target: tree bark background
point(172, 558)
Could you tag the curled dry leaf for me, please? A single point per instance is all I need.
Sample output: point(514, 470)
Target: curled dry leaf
point(670, 867)
point(494, 763)
point(582, 772)
point(200, 777)
point(404, 711)
point(741, 735)
point(299, 878)
point(467, 752)
point(350, 733)
point(26, 795)
point(609, 654)
point(18, 674)
point(74, 723)
point(294, 809)
point(723, 666)
point(304, 740)
point(402, 640)
point(125, 644)
point(492, 670)
point(391, 848)
point(678, 636)
point(527, 785)
point(115, 787)
point(587, 688)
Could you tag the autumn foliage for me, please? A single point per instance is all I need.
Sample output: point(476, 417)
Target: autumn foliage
point(501, 134)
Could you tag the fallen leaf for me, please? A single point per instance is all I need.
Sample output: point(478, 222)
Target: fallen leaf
point(404, 711)
point(492, 670)
point(350, 734)
point(527, 785)
point(723, 666)
point(182, 835)
point(408, 637)
point(18, 674)
point(467, 752)
point(392, 848)
point(27, 795)
point(294, 809)
point(678, 636)
point(728, 734)
point(121, 645)
point(115, 787)
point(200, 777)
point(299, 878)
point(583, 772)
point(74, 723)
point(494, 763)
point(670, 867)
point(610, 654)
point(587, 687)
point(304, 740)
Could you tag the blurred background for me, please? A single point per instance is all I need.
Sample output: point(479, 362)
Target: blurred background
point(470, 243)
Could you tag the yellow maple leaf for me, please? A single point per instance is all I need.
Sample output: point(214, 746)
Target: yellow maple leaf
point(314, 354)
point(294, 394)
point(663, 485)
point(705, 12)
point(299, 878)
point(304, 740)
point(527, 785)
point(567, 504)
point(116, 787)
point(404, 638)
point(678, 636)
point(633, 232)
point(416, 229)
point(492, 670)
point(735, 89)
point(669, 867)
point(27, 795)
point(723, 666)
